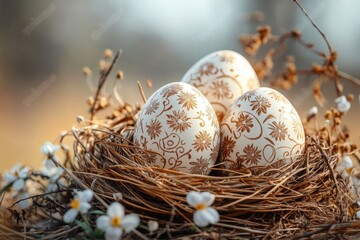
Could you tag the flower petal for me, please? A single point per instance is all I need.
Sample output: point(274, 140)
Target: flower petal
point(193, 198)
point(344, 107)
point(48, 148)
point(130, 222)
point(70, 215)
point(24, 203)
point(84, 207)
point(103, 222)
point(23, 173)
point(9, 177)
point(113, 233)
point(52, 187)
point(215, 215)
point(207, 198)
point(18, 184)
point(201, 218)
point(346, 162)
point(57, 174)
point(116, 209)
point(313, 111)
point(49, 164)
point(16, 168)
point(86, 195)
point(340, 99)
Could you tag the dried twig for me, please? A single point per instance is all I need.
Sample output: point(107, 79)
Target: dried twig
point(101, 83)
point(315, 26)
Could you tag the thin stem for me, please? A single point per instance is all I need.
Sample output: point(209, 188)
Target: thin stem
point(349, 78)
point(101, 83)
point(141, 92)
point(314, 24)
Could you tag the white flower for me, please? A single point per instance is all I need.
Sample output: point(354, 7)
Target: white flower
point(53, 174)
point(49, 150)
point(346, 162)
point(25, 202)
point(17, 176)
point(204, 214)
point(80, 204)
point(358, 214)
point(116, 221)
point(343, 104)
point(313, 111)
point(345, 166)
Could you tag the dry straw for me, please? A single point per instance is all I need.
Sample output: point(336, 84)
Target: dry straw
point(307, 199)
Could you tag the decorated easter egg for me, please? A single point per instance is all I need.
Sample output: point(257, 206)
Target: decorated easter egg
point(178, 129)
point(222, 77)
point(261, 128)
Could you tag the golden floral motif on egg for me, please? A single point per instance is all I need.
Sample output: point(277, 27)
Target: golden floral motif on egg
point(227, 147)
point(244, 122)
point(260, 104)
point(278, 97)
point(187, 100)
point(171, 90)
point(178, 129)
point(278, 131)
point(247, 96)
point(226, 57)
point(221, 90)
point(152, 107)
point(143, 142)
point(252, 155)
point(209, 113)
point(298, 129)
point(200, 166)
point(236, 165)
point(149, 158)
point(215, 149)
point(202, 141)
point(154, 129)
point(207, 69)
point(261, 129)
point(178, 121)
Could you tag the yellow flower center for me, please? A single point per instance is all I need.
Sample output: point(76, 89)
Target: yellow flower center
point(116, 221)
point(200, 206)
point(16, 174)
point(75, 203)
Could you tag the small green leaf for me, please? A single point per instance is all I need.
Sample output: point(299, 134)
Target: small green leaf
point(85, 226)
point(6, 188)
point(98, 234)
point(98, 212)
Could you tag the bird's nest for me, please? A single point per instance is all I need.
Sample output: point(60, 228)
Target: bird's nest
point(305, 199)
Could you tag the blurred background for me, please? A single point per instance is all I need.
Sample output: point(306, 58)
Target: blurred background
point(45, 44)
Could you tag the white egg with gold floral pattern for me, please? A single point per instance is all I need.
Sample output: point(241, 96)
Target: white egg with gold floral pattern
point(222, 77)
point(261, 128)
point(179, 129)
